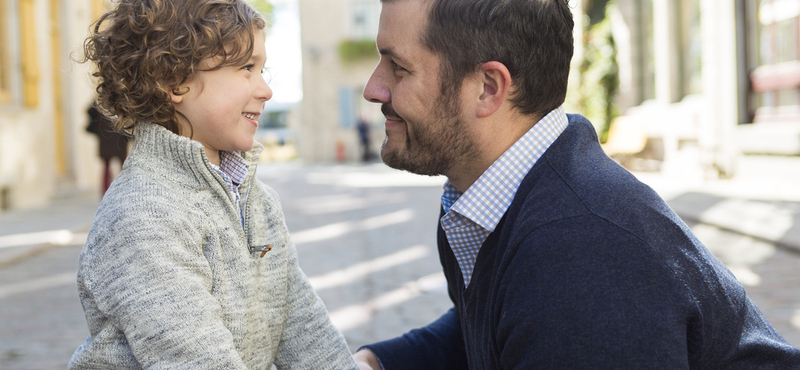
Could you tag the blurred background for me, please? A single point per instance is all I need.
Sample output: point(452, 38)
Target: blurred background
point(698, 98)
point(681, 86)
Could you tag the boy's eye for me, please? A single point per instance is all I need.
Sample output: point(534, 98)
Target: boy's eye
point(248, 67)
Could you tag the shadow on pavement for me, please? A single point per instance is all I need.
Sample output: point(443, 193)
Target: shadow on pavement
point(774, 221)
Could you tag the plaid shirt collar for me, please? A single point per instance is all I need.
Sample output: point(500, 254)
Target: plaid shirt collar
point(234, 166)
point(233, 169)
point(471, 216)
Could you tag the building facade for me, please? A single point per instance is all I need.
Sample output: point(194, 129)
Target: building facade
point(339, 55)
point(701, 81)
point(768, 33)
point(44, 95)
point(707, 80)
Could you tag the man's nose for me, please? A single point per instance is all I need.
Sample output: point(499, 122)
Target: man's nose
point(377, 90)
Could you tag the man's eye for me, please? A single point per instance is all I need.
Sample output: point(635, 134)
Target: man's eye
point(396, 67)
point(248, 67)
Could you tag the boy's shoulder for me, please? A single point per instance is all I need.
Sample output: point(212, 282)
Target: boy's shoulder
point(141, 191)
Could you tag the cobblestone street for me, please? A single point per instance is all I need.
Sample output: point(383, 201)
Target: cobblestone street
point(366, 239)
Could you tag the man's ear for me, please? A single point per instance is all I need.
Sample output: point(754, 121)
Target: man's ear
point(496, 81)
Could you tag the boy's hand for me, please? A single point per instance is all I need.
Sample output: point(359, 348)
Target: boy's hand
point(366, 360)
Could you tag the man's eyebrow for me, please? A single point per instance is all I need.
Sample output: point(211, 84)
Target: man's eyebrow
point(391, 53)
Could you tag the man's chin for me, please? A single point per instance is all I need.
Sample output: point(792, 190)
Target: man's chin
point(393, 158)
point(390, 157)
point(405, 161)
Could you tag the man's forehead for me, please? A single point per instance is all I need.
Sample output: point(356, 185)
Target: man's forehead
point(422, 6)
point(403, 17)
point(402, 27)
point(397, 1)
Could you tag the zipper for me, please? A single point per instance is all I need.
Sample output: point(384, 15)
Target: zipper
point(256, 251)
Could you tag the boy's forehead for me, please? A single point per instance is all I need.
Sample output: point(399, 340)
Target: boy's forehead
point(259, 38)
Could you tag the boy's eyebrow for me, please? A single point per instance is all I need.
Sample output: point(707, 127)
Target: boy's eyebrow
point(257, 58)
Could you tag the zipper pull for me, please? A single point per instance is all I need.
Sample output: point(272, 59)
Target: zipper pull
point(261, 248)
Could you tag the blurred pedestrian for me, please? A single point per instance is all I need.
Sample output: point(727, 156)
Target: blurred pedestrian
point(188, 263)
point(555, 256)
point(112, 143)
point(363, 135)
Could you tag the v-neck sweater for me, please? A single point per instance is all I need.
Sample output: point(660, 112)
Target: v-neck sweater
point(590, 269)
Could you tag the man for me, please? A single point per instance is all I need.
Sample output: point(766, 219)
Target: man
point(555, 257)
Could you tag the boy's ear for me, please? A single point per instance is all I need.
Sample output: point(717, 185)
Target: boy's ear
point(177, 89)
point(496, 83)
point(174, 95)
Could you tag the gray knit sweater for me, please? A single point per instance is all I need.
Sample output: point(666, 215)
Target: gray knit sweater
point(167, 280)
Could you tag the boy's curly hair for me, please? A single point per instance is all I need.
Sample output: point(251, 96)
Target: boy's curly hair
point(143, 49)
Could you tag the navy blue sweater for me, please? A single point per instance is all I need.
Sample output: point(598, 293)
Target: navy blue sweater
point(590, 269)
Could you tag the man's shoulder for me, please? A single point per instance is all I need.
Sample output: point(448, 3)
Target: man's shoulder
point(576, 179)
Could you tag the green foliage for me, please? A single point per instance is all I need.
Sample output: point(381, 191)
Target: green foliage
point(264, 7)
point(356, 50)
point(595, 10)
point(599, 76)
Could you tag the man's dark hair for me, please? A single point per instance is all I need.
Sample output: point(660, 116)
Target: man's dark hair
point(532, 38)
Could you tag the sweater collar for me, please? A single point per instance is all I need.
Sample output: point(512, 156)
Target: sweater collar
point(159, 149)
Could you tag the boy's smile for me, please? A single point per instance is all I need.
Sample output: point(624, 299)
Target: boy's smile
point(223, 105)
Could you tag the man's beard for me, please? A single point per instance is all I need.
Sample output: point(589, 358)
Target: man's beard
point(436, 146)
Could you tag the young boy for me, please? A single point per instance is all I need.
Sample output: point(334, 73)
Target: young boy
point(188, 263)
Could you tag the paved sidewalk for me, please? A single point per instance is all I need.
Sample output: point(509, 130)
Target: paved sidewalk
point(366, 239)
point(65, 221)
point(762, 200)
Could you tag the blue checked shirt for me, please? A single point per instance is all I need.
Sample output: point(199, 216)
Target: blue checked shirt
point(233, 170)
point(471, 216)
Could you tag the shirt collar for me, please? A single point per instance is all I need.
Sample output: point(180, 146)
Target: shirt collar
point(486, 201)
point(234, 166)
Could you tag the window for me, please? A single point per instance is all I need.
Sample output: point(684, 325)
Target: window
point(778, 31)
point(364, 19)
point(775, 81)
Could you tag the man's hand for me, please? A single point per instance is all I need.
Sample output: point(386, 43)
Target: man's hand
point(366, 360)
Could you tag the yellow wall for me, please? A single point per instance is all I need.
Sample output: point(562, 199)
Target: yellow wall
point(5, 95)
point(30, 66)
point(45, 150)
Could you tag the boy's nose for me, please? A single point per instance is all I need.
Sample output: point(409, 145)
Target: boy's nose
point(263, 91)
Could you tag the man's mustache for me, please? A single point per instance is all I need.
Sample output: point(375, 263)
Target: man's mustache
point(388, 111)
